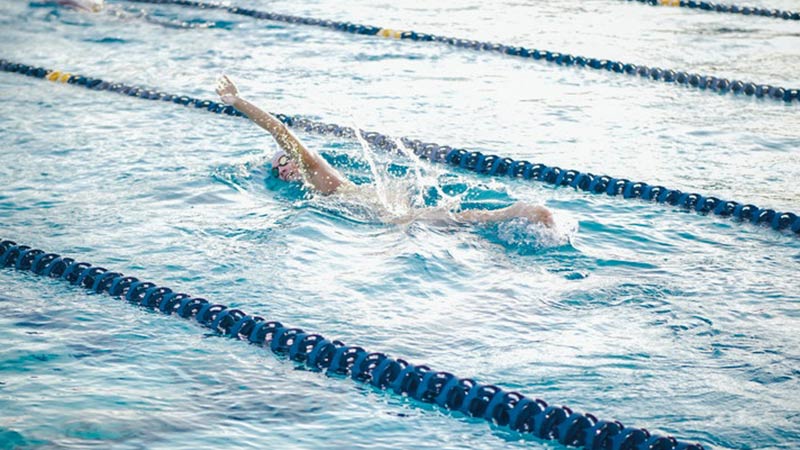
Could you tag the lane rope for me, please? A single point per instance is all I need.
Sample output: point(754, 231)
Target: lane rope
point(474, 161)
point(677, 77)
point(316, 353)
point(725, 8)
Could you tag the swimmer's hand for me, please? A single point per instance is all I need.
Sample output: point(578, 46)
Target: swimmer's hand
point(227, 90)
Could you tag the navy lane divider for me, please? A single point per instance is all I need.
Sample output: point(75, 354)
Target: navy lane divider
point(316, 353)
point(474, 161)
point(726, 8)
point(699, 81)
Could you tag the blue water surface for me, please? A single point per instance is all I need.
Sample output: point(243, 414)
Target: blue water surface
point(658, 317)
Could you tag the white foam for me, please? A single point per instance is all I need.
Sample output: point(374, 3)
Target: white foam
point(522, 235)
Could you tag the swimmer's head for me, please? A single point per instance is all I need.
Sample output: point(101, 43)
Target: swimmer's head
point(284, 167)
point(86, 5)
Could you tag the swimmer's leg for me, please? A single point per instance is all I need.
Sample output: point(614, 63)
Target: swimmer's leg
point(534, 213)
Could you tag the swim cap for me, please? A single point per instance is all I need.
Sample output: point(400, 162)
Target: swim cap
point(277, 157)
point(284, 167)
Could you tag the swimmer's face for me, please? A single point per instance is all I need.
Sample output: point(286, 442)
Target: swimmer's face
point(286, 169)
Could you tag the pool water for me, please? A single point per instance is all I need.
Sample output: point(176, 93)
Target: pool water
point(658, 317)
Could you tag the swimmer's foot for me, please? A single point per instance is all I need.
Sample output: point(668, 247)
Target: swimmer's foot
point(534, 213)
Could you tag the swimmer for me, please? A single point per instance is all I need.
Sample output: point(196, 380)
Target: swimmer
point(295, 162)
point(96, 6)
point(84, 5)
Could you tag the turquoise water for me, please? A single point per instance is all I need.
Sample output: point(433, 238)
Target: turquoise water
point(657, 317)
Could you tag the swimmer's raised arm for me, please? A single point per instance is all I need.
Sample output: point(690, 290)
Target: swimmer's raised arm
point(287, 141)
point(315, 169)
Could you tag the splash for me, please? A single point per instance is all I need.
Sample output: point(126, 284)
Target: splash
point(397, 195)
point(377, 176)
point(523, 237)
point(241, 175)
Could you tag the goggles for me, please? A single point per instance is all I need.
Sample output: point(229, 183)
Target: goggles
point(282, 161)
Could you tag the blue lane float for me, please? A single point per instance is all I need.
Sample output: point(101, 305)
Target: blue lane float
point(726, 8)
point(678, 77)
point(474, 161)
point(314, 352)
